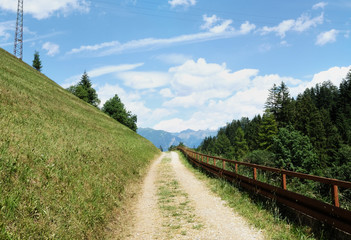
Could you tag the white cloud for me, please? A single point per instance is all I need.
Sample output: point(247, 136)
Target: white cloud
point(199, 75)
point(212, 26)
point(107, 91)
point(284, 43)
point(209, 21)
point(219, 31)
point(41, 9)
point(113, 69)
point(334, 74)
point(134, 103)
point(184, 3)
point(213, 106)
point(247, 27)
point(5, 29)
point(93, 47)
point(173, 58)
point(166, 93)
point(320, 5)
point(196, 99)
point(97, 72)
point(303, 23)
point(247, 102)
point(265, 47)
point(144, 80)
point(51, 48)
point(208, 95)
point(327, 37)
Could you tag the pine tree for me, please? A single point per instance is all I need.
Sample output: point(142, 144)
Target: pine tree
point(115, 108)
point(271, 104)
point(278, 102)
point(309, 121)
point(251, 133)
point(36, 62)
point(267, 131)
point(223, 146)
point(85, 91)
point(343, 120)
point(240, 144)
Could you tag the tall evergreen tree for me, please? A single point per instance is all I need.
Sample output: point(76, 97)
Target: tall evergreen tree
point(267, 131)
point(36, 62)
point(251, 133)
point(240, 145)
point(272, 101)
point(343, 113)
point(278, 104)
point(223, 146)
point(85, 91)
point(309, 121)
point(115, 108)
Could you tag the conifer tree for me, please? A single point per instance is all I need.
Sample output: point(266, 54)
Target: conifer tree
point(85, 91)
point(240, 144)
point(278, 104)
point(267, 131)
point(115, 108)
point(36, 62)
point(223, 146)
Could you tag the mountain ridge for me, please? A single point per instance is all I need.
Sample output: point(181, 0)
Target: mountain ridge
point(164, 139)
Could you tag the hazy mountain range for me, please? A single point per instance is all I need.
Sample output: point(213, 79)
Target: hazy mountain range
point(165, 139)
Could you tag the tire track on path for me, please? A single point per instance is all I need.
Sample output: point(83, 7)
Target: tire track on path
point(174, 204)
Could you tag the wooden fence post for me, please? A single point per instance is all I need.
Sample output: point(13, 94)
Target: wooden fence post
point(255, 174)
point(336, 196)
point(284, 181)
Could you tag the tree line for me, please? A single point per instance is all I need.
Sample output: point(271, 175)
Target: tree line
point(112, 107)
point(310, 133)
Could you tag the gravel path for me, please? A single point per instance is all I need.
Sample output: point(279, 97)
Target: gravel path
point(148, 220)
point(206, 216)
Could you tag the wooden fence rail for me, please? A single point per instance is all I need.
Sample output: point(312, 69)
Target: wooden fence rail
point(333, 215)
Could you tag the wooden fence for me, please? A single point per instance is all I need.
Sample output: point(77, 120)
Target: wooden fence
point(333, 215)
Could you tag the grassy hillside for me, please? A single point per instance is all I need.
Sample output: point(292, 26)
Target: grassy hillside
point(63, 163)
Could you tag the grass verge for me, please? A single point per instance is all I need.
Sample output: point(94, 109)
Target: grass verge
point(262, 215)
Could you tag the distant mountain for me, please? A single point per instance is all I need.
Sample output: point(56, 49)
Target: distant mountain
point(159, 137)
point(193, 138)
point(165, 139)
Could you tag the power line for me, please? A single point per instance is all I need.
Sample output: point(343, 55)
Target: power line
point(18, 49)
point(153, 9)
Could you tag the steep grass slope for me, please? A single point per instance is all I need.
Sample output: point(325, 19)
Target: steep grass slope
point(63, 163)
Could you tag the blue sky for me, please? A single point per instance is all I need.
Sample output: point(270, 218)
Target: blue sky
point(182, 64)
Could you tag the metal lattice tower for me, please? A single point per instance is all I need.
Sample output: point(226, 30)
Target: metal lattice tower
point(18, 51)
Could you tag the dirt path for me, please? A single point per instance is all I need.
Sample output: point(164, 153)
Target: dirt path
point(176, 205)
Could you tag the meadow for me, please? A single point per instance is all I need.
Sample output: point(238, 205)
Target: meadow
point(64, 165)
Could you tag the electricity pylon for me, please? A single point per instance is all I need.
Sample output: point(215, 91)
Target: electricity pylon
point(18, 51)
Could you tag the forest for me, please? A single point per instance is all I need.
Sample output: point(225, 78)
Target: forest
point(310, 134)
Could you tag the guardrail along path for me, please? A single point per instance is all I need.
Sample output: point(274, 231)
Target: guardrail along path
point(333, 215)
